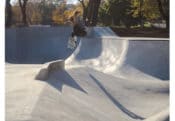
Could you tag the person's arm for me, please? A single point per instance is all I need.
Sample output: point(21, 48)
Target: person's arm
point(70, 20)
point(80, 20)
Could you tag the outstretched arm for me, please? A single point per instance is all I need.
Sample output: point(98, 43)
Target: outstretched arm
point(69, 21)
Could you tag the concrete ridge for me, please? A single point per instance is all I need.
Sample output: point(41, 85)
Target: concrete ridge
point(160, 116)
point(81, 57)
point(48, 68)
point(145, 38)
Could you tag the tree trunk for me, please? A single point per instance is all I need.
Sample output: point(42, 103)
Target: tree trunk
point(89, 12)
point(141, 14)
point(165, 14)
point(23, 11)
point(84, 9)
point(92, 13)
point(167, 23)
point(95, 12)
point(8, 13)
point(24, 17)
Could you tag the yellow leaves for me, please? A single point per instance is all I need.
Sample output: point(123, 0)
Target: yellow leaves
point(36, 18)
point(38, 13)
point(57, 17)
point(16, 14)
point(68, 13)
point(148, 8)
point(61, 17)
point(79, 8)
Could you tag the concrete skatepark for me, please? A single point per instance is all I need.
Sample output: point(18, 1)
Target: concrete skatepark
point(106, 78)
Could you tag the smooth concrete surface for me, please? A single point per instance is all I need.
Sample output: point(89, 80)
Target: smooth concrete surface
point(122, 57)
point(36, 45)
point(48, 68)
point(106, 78)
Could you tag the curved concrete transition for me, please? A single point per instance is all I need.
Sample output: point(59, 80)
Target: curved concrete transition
point(36, 45)
point(106, 78)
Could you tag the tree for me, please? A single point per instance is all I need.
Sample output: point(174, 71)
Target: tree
point(104, 15)
point(145, 10)
point(17, 15)
point(117, 12)
point(95, 12)
point(33, 13)
point(141, 13)
point(58, 15)
point(23, 4)
point(164, 10)
point(92, 12)
point(46, 8)
point(150, 10)
point(84, 5)
point(8, 13)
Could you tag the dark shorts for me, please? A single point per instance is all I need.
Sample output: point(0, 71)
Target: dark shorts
point(79, 31)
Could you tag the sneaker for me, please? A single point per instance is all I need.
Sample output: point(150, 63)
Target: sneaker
point(75, 38)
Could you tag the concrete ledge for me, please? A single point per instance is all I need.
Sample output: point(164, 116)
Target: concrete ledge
point(55, 65)
point(161, 116)
point(145, 39)
point(48, 68)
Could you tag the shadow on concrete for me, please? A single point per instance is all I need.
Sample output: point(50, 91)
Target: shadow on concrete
point(115, 102)
point(60, 78)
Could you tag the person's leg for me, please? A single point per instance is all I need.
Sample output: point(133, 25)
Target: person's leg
point(73, 34)
point(83, 32)
point(72, 41)
point(79, 31)
point(76, 29)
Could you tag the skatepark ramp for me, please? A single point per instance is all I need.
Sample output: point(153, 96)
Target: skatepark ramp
point(106, 78)
point(112, 54)
point(36, 45)
point(106, 52)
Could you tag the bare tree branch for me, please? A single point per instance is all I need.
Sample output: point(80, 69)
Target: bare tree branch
point(23, 10)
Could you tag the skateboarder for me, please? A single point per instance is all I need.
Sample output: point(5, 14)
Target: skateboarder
point(78, 29)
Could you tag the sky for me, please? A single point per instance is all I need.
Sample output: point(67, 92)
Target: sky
point(68, 1)
point(72, 1)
